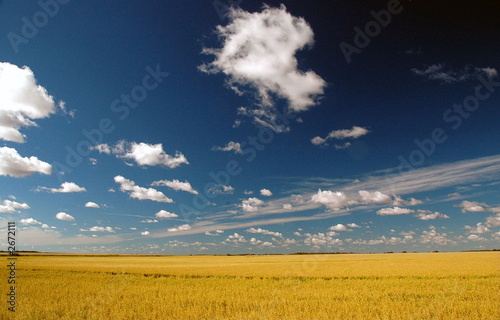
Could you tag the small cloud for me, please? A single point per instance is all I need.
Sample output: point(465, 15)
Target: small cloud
point(263, 231)
point(64, 216)
point(266, 193)
point(394, 211)
point(150, 221)
point(339, 227)
point(428, 215)
point(162, 214)
point(145, 233)
point(29, 221)
point(183, 227)
point(472, 206)
point(66, 187)
point(373, 197)
point(91, 205)
point(354, 133)
point(141, 193)
point(230, 146)
point(176, 185)
point(99, 229)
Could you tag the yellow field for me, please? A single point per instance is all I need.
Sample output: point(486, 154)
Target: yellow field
point(360, 286)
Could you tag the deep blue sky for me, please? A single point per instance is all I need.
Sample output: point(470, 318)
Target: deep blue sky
point(400, 87)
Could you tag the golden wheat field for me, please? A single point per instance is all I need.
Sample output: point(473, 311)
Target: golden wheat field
point(343, 286)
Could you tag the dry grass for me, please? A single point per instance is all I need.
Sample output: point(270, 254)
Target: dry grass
point(385, 286)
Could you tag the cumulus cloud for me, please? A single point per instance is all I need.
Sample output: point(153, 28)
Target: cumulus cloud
point(394, 211)
point(12, 164)
point(99, 229)
point(9, 206)
point(180, 228)
point(176, 185)
point(472, 206)
point(64, 216)
point(353, 133)
point(339, 227)
point(22, 101)
point(398, 201)
point(91, 204)
point(263, 231)
point(150, 221)
point(373, 197)
point(165, 214)
point(251, 204)
point(321, 239)
point(145, 233)
point(479, 228)
point(235, 238)
point(230, 146)
point(29, 221)
point(143, 154)
point(332, 200)
point(221, 189)
point(448, 76)
point(258, 51)
point(428, 215)
point(66, 187)
point(266, 193)
point(353, 225)
point(141, 193)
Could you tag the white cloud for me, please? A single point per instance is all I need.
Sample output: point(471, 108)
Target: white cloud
point(66, 187)
point(321, 239)
point(493, 221)
point(339, 227)
point(183, 227)
point(145, 233)
point(472, 206)
point(475, 237)
point(266, 193)
point(176, 185)
point(103, 148)
point(479, 228)
point(353, 133)
point(353, 225)
point(433, 236)
point(230, 146)
point(332, 200)
point(152, 154)
point(21, 101)
point(251, 204)
point(150, 221)
point(263, 231)
point(258, 51)
point(29, 221)
point(221, 189)
point(394, 211)
point(91, 204)
point(438, 72)
point(141, 193)
point(373, 197)
point(143, 154)
point(165, 214)
point(99, 229)
point(236, 238)
point(93, 161)
point(64, 216)
point(12, 164)
point(428, 215)
point(9, 206)
point(287, 206)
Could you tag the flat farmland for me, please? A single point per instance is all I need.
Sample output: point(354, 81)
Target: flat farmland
point(462, 285)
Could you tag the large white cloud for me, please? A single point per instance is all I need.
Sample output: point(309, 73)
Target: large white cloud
point(22, 100)
point(12, 164)
point(141, 193)
point(9, 206)
point(143, 154)
point(176, 185)
point(258, 51)
point(332, 200)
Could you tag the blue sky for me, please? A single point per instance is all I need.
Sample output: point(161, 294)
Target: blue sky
point(174, 127)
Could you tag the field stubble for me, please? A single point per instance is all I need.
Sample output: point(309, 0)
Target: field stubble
point(364, 286)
